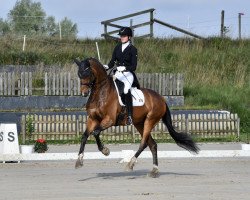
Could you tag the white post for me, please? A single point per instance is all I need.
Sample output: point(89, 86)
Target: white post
point(97, 48)
point(60, 31)
point(188, 23)
point(24, 42)
point(131, 26)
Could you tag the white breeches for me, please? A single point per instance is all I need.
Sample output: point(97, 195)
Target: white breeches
point(127, 78)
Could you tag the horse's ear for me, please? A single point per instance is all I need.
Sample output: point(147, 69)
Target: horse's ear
point(77, 62)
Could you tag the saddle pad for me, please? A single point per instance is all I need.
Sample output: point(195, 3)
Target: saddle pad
point(137, 96)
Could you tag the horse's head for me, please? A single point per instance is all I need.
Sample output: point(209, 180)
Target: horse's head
point(86, 76)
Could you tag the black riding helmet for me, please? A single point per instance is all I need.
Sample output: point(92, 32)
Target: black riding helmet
point(126, 31)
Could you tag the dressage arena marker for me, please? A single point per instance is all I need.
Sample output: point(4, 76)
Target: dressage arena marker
point(125, 155)
point(8, 139)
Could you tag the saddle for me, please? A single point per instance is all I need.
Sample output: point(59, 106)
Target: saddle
point(137, 95)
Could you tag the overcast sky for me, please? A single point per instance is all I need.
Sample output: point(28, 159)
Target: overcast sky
point(199, 16)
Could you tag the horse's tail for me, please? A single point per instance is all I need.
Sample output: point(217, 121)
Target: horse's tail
point(182, 139)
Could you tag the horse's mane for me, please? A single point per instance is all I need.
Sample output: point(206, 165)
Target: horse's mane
point(97, 61)
point(100, 65)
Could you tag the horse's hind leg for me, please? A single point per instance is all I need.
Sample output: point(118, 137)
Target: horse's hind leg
point(147, 140)
point(145, 133)
point(132, 162)
point(153, 147)
point(143, 145)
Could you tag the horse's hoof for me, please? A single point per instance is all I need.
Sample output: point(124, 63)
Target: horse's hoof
point(130, 165)
point(154, 173)
point(128, 168)
point(106, 151)
point(79, 162)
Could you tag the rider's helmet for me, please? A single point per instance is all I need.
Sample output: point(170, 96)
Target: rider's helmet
point(125, 31)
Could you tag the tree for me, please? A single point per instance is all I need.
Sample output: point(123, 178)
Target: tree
point(4, 27)
point(27, 17)
point(51, 28)
point(68, 28)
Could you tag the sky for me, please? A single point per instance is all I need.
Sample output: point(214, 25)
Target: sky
point(198, 16)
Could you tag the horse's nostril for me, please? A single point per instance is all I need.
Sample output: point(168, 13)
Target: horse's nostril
point(85, 94)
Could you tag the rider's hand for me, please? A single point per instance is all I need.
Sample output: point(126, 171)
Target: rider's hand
point(121, 68)
point(106, 67)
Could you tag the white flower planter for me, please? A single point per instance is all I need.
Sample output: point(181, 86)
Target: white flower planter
point(245, 147)
point(27, 149)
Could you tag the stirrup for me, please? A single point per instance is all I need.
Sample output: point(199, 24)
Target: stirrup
point(129, 120)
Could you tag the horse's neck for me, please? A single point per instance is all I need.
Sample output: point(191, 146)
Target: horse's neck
point(100, 90)
point(100, 74)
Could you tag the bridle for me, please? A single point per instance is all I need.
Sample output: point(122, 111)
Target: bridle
point(91, 83)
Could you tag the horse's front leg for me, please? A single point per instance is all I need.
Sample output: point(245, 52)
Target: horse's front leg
point(79, 162)
point(91, 126)
point(105, 123)
point(100, 145)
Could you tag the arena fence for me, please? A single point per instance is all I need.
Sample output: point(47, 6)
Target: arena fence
point(12, 84)
point(68, 84)
point(70, 127)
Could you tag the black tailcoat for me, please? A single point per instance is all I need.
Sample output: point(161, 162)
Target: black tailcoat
point(127, 58)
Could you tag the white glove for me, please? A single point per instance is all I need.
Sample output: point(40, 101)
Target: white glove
point(106, 67)
point(121, 68)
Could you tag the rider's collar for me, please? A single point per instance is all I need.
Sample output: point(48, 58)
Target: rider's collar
point(125, 45)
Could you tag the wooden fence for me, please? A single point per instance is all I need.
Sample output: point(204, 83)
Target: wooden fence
point(67, 84)
point(12, 85)
point(110, 23)
point(70, 127)
point(165, 84)
point(150, 22)
point(61, 84)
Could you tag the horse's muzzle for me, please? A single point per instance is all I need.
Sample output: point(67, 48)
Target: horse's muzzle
point(85, 94)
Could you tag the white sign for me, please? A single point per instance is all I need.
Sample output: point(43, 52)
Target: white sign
point(9, 139)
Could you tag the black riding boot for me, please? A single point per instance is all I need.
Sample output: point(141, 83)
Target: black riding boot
point(129, 106)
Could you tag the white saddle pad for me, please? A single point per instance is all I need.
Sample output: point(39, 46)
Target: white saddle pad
point(137, 96)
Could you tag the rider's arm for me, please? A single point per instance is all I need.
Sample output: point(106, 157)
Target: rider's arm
point(133, 65)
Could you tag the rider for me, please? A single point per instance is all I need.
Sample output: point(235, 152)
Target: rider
point(125, 56)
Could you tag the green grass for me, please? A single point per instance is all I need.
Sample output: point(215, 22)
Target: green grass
point(216, 70)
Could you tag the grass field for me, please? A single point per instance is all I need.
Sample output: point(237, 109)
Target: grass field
point(216, 70)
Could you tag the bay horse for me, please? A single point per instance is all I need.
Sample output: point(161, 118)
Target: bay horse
point(103, 111)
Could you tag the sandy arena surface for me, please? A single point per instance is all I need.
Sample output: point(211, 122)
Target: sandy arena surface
point(196, 178)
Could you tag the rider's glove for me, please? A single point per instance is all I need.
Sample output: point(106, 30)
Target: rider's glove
point(121, 68)
point(106, 67)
